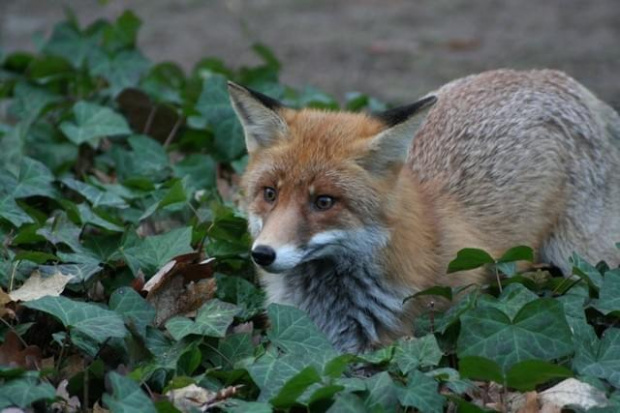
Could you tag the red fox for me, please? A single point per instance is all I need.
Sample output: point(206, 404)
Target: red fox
point(349, 216)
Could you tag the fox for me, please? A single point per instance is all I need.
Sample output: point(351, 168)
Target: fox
point(351, 213)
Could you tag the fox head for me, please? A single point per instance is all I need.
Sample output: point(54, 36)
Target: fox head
point(318, 183)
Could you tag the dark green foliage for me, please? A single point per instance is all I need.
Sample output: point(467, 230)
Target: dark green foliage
point(111, 167)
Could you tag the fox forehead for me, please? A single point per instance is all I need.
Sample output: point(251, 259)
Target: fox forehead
point(316, 145)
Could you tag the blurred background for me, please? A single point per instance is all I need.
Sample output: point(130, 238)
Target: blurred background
point(395, 50)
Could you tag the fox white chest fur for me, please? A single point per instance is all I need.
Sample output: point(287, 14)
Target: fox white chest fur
point(346, 226)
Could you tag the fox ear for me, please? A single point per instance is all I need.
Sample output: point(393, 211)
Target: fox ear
point(391, 146)
point(261, 123)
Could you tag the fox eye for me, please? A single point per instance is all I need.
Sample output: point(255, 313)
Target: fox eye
point(269, 194)
point(324, 202)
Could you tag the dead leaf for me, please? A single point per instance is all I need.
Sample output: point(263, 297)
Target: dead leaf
point(180, 286)
point(575, 393)
point(14, 354)
point(98, 409)
point(4, 300)
point(37, 286)
point(153, 119)
point(193, 397)
point(65, 403)
point(530, 403)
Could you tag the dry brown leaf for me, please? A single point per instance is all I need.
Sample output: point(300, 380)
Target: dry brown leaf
point(180, 286)
point(193, 397)
point(37, 286)
point(64, 402)
point(4, 300)
point(190, 397)
point(98, 409)
point(575, 393)
point(530, 404)
point(13, 353)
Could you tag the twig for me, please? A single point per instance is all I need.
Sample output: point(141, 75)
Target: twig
point(499, 282)
point(149, 120)
point(6, 323)
point(173, 132)
point(432, 316)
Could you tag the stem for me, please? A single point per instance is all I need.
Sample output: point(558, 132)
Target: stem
point(499, 282)
point(432, 316)
point(173, 132)
point(13, 271)
point(6, 323)
point(149, 120)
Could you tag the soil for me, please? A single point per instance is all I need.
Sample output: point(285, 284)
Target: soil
point(392, 49)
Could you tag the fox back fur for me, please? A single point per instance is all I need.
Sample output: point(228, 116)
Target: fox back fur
point(349, 216)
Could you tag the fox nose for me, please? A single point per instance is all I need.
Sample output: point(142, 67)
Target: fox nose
point(263, 255)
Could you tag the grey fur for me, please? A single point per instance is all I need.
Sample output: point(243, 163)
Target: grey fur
point(512, 143)
point(343, 291)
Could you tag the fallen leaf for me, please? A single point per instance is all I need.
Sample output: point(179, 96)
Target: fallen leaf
point(13, 353)
point(64, 402)
point(181, 286)
point(4, 300)
point(574, 393)
point(37, 286)
point(98, 409)
point(193, 397)
point(189, 397)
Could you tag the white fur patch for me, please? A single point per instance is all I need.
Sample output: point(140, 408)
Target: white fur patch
point(255, 224)
point(287, 257)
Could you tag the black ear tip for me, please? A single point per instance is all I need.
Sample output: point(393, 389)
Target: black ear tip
point(393, 117)
point(234, 86)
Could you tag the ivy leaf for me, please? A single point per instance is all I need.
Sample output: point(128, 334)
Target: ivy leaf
point(418, 352)
point(243, 293)
point(66, 41)
point(212, 320)
point(122, 70)
point(216, 111)
point(512, 299)
point(29, 101)
point(10, 211)
point(469, 259)
point(61, 230)
point(528, 374)
point(271, 373)
point(88, 319)
point(127, 396)
point(34, 178)
point(520, 253)
point(123, 33)
point(232, 349)
point(538, 331)
point(93, 122)
point(295, 387)
point(609, 295)
point(382, 393)
point(241, 406)
point(602, 358)
point(151, 253)
point(347, 403)
point(135, 310)
point(292, 331)
point(587, 271)
point(199, 171)
point(480, 368)
point(422, 393)
point(23, 392)
point(175, 195)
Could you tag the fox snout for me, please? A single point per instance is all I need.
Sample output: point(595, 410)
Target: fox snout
point(277, 259)
point(263, 255)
